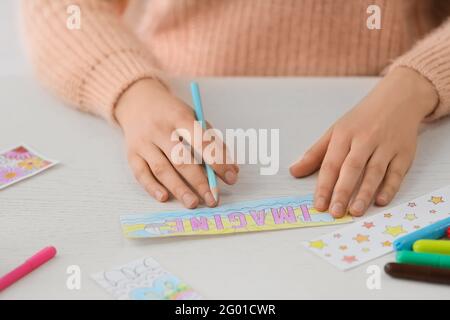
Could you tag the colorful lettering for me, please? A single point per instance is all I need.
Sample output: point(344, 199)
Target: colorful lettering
point(177, 227)
point(305, 212)
point(218, 220)
point(283, 214)
point(200, 223)
point(235, 216)
point(259, 217)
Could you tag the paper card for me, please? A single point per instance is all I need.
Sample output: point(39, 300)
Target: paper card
point(372, 237)
point(269, 214)
point(21, 162)
point(144, 279)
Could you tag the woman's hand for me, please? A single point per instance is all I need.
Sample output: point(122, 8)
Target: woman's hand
point(148, 115)
point(366, 154)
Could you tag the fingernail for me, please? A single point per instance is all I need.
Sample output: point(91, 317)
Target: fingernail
point(188, 200)
point(383, 198)
point(337, 209)
point(320, 203)
point(209, 199)
point(230, 177)
point(159, 195)
point(358, 206)
point(297, 161)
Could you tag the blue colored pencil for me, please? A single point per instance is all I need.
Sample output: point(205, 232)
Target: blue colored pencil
point(433, 231)
point(212, 180)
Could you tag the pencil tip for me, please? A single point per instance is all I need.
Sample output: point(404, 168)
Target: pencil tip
point(215, 193)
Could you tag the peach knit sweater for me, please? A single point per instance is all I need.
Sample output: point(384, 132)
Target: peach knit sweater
point(120, 42)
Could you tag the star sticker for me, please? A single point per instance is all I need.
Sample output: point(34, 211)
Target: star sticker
point(436, 200)
point(365, 249)
point(337, 235)
point(411, 204)
point(361, 238)
point(410, 217)
point(387, 215)
point(368, 225)
point(394, 230)
point(343, 247)
point(386, 243)
point(318, 244)
point(349, 259)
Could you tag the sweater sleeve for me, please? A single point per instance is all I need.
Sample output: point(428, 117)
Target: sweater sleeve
point(431, 58)
point(89, 67)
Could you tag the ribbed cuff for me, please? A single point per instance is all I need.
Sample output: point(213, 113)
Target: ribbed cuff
point(105, 82)
point(431, 58)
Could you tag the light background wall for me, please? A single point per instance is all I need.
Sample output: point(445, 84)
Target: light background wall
point(12, 57)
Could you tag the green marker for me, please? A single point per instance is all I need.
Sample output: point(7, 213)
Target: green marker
point(432, 246)
point(424, 259)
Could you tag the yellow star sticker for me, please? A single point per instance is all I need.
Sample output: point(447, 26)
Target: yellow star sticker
point(436, 200)
point(394, 230)
point(361, 238)
point(365, 249)
point(410, 217)
point(343, 247)
point(386, 244)
point(318, 244)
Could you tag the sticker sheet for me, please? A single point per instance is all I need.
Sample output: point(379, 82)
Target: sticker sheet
point(19, 163)
point(144, 279)
point(269, 214)
point(372, 237)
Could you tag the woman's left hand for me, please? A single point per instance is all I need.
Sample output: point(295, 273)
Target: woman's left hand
point(365, 155)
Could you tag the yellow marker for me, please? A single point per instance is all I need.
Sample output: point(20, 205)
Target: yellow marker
point(432, 246)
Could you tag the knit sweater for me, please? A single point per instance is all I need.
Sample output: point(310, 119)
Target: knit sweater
point(120, 42)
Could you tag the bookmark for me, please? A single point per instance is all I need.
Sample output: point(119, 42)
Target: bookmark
point(21, 162)
point(144, 279)
point(261, 215)
point(374, 236)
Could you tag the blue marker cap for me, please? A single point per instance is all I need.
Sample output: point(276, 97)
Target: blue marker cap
point(433, 231)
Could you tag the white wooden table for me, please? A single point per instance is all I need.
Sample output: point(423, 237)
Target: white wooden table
point(76, 205)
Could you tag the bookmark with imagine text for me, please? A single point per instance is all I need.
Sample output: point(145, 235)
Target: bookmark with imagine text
point(21, 162)
point(262, 215)
point(373, 237)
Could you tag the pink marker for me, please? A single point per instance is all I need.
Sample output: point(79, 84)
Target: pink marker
point(28, 266)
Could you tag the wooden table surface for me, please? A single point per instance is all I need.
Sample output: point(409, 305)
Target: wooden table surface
point(76, 205)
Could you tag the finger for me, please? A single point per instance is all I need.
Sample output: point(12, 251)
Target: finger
point(226, 151)
point(144, 176)
point(338, 149)
point(163, 170)
point(312, 159)
point(373, 176)
point(349, 175)
point(220, 161)
point(395, 174)
point(192, 173)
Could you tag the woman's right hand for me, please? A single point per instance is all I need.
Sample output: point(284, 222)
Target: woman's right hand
point(148, 115)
